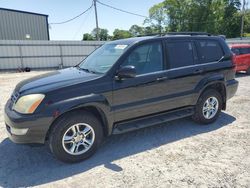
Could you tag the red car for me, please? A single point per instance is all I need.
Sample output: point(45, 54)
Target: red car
point(242, 57)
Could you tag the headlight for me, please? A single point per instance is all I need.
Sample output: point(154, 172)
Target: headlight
point(28, 104)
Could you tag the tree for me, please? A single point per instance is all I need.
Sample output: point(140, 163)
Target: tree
point(121, 34)
point(149, 30)
point(103, 34)
point(231, 19)
point(247, 23)
point(213, 16)
point(136, 30)
point(157, 17)
point(87, 36)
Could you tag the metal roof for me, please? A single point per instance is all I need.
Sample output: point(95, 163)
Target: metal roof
point(25, 12)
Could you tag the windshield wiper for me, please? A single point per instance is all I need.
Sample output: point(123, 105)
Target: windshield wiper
point(86, 70)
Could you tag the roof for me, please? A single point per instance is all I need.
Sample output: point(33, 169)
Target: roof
point(25, 12)
point(129, 41)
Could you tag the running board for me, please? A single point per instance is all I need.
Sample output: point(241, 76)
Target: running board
point(143, 122)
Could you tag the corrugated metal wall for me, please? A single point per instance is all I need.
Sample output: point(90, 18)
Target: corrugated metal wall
point(44, 54)
point(239, 41)
point(17, 25)
point(50, 54)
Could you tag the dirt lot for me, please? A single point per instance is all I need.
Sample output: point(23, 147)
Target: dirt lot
point(178, 154)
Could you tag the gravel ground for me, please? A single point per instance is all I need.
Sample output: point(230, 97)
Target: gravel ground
point(177, 154)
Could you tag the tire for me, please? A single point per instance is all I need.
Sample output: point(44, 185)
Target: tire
point(210, 114)
point(248, 71)
point(75, 136)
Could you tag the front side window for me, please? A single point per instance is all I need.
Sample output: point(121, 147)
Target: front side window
point(102, 59)
point(209, 51)
point(146, 58)
point(180, 54)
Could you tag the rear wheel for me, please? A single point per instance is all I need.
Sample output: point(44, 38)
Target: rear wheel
point(75, 137)
point(208, 107)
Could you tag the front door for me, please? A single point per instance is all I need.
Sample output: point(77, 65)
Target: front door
point(133, 97)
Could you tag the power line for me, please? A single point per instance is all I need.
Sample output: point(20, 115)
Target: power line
point(69, 20)
point(83, 23)
point(121, 10)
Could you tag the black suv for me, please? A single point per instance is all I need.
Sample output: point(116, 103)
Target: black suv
point(122, 86)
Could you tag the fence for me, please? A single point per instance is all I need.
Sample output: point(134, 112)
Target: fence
point(238, 41)
point(50, 54)
point(43, 54)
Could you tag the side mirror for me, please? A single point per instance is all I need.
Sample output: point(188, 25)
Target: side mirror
point(126, 72)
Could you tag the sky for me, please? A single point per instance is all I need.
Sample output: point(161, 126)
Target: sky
point(61, 10)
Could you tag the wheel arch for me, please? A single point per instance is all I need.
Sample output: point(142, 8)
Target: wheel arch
point(95, 110)
point(218, 86)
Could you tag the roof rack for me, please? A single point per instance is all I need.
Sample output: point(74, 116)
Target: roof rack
point(152, 34)
point(189, 33)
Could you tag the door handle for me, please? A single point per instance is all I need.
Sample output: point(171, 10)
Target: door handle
point(198, 71)
point(162, 78)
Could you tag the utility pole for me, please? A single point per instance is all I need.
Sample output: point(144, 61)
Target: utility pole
point(96, 22)
point(242, 19)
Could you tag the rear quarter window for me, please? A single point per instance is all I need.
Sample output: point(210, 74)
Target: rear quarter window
point(209, 51)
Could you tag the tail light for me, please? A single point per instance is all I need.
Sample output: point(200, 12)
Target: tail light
point(234, 61)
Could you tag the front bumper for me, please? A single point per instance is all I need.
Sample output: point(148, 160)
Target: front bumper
point(25, 128)
point(231, 88)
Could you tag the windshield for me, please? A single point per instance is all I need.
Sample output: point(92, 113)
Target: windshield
point(102, 59)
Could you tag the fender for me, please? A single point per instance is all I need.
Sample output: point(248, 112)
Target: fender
point(208, 81)
point(97, 101)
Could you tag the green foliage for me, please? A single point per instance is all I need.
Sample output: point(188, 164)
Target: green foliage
point(87, 36)
point(136, 30)
point(157, 17)
point(121, 34)
point(213, 16)
point(103, 34)
point(247, 23)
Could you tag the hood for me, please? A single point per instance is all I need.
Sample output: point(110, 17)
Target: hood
point(55, 79)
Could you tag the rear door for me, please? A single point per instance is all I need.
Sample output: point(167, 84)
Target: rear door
point(190, 62)
point(183, 74)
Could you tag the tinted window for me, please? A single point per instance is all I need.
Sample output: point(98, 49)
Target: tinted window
point(236, 51)
point(209, 51)
point(244, 51)
point(146, 58)
point(180, 54)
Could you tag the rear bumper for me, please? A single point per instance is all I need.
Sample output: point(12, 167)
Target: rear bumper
point(24, 129)
point(231, 88)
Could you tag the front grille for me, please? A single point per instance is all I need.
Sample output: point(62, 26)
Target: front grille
point(14, 97)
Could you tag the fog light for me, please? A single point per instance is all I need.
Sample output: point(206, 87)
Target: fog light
point(18, 131)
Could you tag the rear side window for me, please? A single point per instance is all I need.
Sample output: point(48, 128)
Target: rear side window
point(180, 54)
point(209, 51)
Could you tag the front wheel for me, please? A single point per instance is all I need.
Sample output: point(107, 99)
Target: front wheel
point(208, 107)
point(75, 136)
